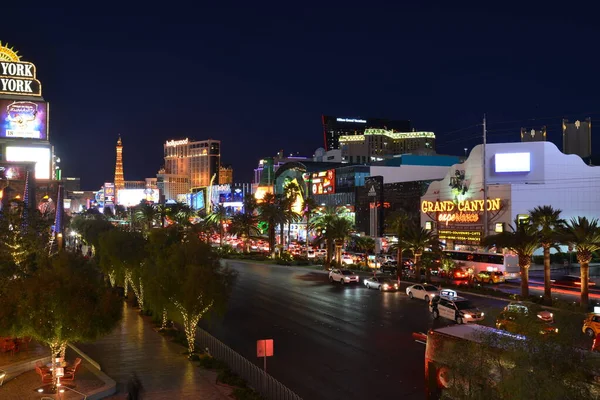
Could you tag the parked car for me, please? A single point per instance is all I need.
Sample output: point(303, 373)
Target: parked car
point(457, 309)
point(342, 276)
point(591, 325)
point(570, 280)
point(519, 317)
point(422, 291)
point(381, 283)
point(489, 277)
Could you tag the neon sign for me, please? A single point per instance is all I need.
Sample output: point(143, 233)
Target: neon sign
point(357, 121)
point(462, 206)
point(461, 218)
point(177, 142)
point(16, 76)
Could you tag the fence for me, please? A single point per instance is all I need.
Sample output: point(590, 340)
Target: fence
point(267, 386)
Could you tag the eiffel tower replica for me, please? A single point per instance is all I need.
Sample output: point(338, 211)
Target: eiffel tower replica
point(119, 179)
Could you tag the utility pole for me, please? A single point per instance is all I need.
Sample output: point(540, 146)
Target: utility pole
point(485, 192)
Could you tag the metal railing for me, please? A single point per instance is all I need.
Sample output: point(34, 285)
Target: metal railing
point(263, 383)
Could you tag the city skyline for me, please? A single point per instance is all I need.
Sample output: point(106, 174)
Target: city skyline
point(260, 88)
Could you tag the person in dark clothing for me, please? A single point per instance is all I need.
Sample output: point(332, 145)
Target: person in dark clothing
point(134, 388)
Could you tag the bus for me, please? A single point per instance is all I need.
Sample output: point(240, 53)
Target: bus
point(442, 349)
point(508, 264)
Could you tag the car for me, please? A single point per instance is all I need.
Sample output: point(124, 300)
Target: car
point(489, 277)
point(591, 325)
point(570, 280)
point(381, 283)
point(342, 276)
point(388, 268)
point(422, 291)
point(310, 254)
point(457, 309)
point(347, 259)
point(519, 317)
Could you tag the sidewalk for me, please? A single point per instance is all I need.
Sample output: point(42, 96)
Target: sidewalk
point(161, 366)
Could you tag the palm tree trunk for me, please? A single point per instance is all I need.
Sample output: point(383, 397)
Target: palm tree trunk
point(585, 276)
point(338, 252)
point(547, 282)
point(418, 267)
point(281, 235)
point(329, 255)
point(272, 240)
point(524, 281)
point(399, 263)
point(220, 232)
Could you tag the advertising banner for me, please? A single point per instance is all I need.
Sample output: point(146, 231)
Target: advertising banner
point(24, 119)
point(323, 182)
point(109, 192)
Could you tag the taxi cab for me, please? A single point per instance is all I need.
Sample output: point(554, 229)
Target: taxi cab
point(490, 277)
point(591, 325)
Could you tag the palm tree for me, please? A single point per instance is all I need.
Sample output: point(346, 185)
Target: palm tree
point(245, 224)
point(418, 239)
point(338, 230)
point(398, 224)
point(308, 207)
point(523, 240)
point(146, 213)
point(287, 203)
point(269, 211)
point(366, 245)
point(584, 236)
point(320, 222)
point(216, 218)
point(180, 213)
point(548, 222)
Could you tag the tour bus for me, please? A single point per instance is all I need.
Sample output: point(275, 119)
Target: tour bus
point(440, 347)
point(508, 264)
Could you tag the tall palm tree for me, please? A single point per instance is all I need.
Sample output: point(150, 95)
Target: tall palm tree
point(216, 218)
point(338, 230)
point(523, 239)
point(270, 211)
point(320, 222)
point(245, 223)
point(291, 193)
point(180, 213)
point(584, 236)
point(398, 225)
point(418, 239)
point(309, 205)
point(548, 223)
point(365, 244)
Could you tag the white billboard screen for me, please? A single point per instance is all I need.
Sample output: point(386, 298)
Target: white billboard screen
point(40, 155)
point(132, 197)
point(512, 162)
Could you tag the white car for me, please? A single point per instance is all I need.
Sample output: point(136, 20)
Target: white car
point(347, 259)
point(343, 276)
point(422, 291)
point(381, 283)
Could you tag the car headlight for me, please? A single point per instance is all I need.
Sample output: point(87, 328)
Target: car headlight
point(467, 316)
point(482, 314)
point(386, 286)
point(551, 315)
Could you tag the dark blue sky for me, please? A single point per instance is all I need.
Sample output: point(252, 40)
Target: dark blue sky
point(259, 77)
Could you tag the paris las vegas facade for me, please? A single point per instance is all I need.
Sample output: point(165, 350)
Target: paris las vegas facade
point(26, 153)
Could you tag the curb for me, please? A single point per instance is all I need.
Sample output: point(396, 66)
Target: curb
point(110, 386)
point(288, 267)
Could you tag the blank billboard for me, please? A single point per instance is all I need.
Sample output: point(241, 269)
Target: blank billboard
point(40, 155)
point(512, 162)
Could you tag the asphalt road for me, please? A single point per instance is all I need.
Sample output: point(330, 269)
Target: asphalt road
point(331, 341)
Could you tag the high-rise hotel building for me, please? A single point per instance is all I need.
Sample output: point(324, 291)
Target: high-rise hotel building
point(189, 164)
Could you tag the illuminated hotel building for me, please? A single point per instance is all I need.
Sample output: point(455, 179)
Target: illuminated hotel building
point(189, 164)
point(379, 144)
point(334, 127)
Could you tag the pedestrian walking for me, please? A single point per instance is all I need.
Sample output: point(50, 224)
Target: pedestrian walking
point(134, 388)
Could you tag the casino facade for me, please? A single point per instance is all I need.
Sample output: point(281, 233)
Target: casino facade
point(25, 148)
point(519, 177)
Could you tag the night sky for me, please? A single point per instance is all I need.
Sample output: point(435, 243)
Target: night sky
point(259, 77)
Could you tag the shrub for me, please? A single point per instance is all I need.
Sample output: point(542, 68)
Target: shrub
point(228, 377)
point(246, 394)
point(284, 258)
point(209, 362)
